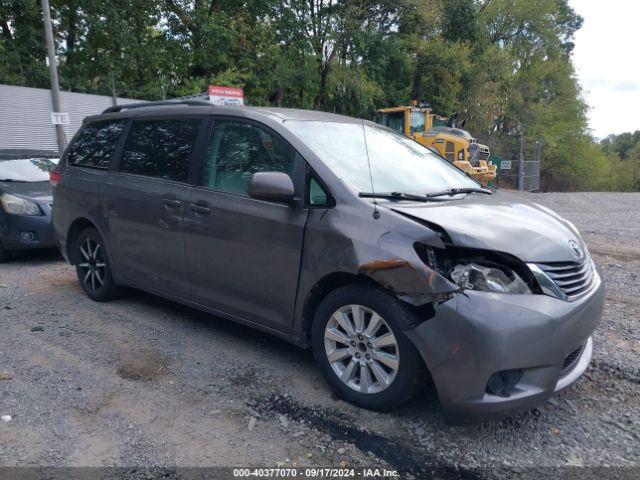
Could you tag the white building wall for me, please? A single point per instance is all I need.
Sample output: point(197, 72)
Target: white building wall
point(25, 115)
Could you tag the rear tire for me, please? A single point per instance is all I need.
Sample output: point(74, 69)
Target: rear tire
point(374, 365)
point(93, 267)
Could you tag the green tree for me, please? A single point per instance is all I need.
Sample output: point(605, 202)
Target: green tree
point(23, 59)
point(623, 152)
point(460, 21)
point(505, 64)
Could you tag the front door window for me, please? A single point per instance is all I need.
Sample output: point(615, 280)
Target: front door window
point(239, 149)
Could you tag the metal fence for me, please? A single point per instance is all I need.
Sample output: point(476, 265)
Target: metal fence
point(520, 171)
point(26, 123)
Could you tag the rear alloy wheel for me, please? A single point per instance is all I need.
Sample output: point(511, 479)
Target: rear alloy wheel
point(361, 349)
point(92, 266)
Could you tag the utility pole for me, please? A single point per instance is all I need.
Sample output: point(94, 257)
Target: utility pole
point(53, 72)
point(521, 165)
point(114, 98)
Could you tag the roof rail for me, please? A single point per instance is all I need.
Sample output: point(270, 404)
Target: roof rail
point(127, 106)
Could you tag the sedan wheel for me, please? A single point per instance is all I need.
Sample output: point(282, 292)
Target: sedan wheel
point(4, 255)
point(361, 349)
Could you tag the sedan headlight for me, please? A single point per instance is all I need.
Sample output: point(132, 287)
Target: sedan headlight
point(488, 279)
point(18, 205)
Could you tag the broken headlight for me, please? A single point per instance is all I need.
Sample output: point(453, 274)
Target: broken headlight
point(473, 276)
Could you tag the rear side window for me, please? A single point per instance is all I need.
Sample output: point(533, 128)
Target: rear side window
point(95, 144)
point(160, 148)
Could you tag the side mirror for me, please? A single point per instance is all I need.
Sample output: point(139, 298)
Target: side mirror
point(271, 186)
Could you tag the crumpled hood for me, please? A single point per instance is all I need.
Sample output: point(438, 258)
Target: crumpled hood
point(501, 222)
point(39, 192)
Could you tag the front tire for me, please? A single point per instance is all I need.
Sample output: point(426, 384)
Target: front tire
point(93, 267)
point(360, 347)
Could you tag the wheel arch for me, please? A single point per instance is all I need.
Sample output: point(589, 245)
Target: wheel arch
point(321, 289)
point(78, 226)
point(335, 280)
point(398, 313)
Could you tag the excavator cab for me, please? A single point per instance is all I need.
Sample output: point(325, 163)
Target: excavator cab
point(407, 120)
point(442, 134)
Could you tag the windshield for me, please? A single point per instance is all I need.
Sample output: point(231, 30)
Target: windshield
point(398, 164)
point(26, 170)
point(394, 120)
point(418, 120)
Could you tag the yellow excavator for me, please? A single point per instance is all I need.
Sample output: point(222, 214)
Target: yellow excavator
point(442, 134)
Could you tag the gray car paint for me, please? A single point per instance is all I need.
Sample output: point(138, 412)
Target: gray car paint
point(254, 248)
point(269, 262)
point(478, 333)
point(145, 218)
point(509, 224)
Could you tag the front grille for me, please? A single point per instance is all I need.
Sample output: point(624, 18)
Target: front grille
point(484, 154)
point(571, 359)
point(573, 278)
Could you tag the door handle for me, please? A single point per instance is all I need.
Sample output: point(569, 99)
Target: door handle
point(200, 208)
point(170, 202)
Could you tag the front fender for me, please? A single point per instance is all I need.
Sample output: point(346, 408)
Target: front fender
point(395, 265)
point(344, 240)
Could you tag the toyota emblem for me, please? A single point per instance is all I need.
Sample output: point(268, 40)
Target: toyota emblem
point(577, 251)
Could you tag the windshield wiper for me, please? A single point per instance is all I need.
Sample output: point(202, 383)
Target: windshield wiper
point(456, 191)
point(10, 180)
point(394, 196)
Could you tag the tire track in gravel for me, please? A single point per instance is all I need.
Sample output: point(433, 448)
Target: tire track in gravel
point(339, 427)
point(617, 372)
point(622, 253)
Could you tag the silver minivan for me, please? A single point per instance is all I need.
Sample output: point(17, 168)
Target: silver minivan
point(338, 234)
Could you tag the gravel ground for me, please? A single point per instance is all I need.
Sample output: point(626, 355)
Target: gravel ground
point(142, 381)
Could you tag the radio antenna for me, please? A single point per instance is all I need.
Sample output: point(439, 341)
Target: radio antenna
point(376, 213)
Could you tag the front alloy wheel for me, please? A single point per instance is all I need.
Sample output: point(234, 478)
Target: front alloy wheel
point(361, 349)
point(360, 346)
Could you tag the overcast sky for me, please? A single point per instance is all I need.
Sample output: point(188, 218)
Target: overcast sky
point(606, 58)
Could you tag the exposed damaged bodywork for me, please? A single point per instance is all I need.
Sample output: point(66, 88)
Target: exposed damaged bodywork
point(412, 256)
point(382, 251)
point(415, 284)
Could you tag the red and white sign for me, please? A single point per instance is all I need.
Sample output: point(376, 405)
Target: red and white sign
point(225, 95)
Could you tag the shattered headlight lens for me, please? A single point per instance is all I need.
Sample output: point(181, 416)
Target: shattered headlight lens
point(18, 206)
point(473, 276)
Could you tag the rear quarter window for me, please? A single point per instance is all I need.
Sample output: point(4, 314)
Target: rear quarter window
point(160, 148)
point(95, 144)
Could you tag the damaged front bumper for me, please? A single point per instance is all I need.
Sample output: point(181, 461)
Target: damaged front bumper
point(477, 334)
